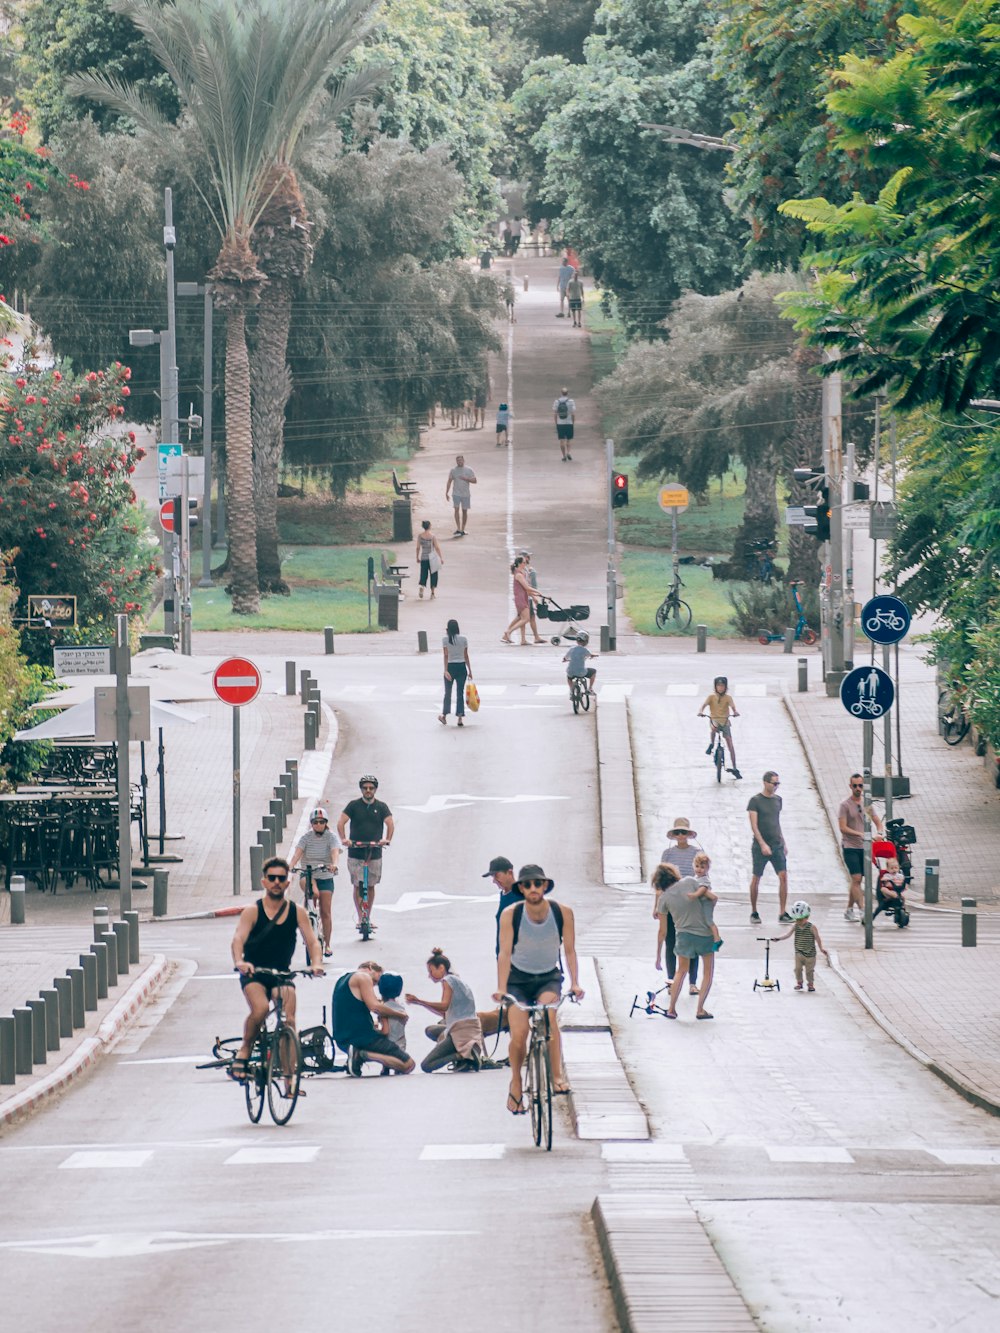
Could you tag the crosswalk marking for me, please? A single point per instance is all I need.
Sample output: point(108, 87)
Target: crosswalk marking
point(615, 690)
point(101, 1160)
point(966, 1156)
point(676, 690)
point(272, 1156)
point(811, 1155)
point(462, 1152)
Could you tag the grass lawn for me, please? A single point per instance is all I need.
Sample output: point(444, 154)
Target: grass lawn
point(647, 577)
point(317, 518)
point(329, 587)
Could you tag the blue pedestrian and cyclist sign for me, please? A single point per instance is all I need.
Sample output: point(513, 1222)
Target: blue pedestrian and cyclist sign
point(885, 619)
point(867, 692)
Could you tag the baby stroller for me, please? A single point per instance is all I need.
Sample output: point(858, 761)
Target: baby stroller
point(883, 852)
point(549, 609)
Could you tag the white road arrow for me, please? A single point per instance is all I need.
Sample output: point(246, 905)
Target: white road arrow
point(434, 804)
point(412, 902)
point(136, 1244)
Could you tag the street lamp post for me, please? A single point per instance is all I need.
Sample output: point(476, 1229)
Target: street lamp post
point(205, 290)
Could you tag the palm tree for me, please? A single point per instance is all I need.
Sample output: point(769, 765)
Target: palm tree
point(249, 74)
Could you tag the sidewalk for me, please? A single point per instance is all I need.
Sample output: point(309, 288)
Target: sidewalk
point(943, 1006)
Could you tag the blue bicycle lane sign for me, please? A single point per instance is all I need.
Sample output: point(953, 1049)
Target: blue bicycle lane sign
point(885, 619)
point(867, 692)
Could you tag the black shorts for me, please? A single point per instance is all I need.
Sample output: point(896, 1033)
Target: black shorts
point(854, 859)
point(564, 430)
point(575, 305)
point(269, 986)
point(777, 859)
point(379, 1044)
point(527, 986)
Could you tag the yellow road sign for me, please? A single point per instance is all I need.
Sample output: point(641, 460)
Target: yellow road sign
point(674, 497)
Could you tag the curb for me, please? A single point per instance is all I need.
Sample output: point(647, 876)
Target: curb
point(87, 1054)
point(198, 916)
point(616, 779)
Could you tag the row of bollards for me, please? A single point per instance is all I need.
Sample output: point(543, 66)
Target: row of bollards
point(272, 829)
point(40, 1025)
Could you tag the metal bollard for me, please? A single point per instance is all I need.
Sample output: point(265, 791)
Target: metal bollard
point(328, 640)
point(64, 990)
point(39, 1047)
point(132, 918)
point(310, 731)
point(932, 879)
point(102, 921)
point(17, 900)
point(525, 282)
point(50, 999)
point(702, 639)
point(314, 695)
point(803, 675)
point(421, 641)
point(100, 952)
point(161, 882)
point(121, 935)
point(605, 639)
point(110, 941)
point(292, 769)
point(271, 833)
point(78, 1013)
point(22, 1041)
point(8, 1050)
point(305, 676)
point(284, 790)
point(968, 923)
point(277, 809)
point(289, 677)
point(91, 981)
point(789, 639)
point(256, 864)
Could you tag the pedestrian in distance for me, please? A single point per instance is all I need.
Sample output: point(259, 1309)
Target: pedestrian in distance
point(564, 277)
point(457, 670)
point(807, 941)
point(516, 230)
point(564, 415)
point(390, 987)
point(461, 1041)
point(429, 558)
point(504, 416)
point(851, 822)
point(532, 577)
point(764, 811)
point(501, 872)
point(460, 479)
point(485, 258)
point(694, 940)
point(479, 400)
point(524, 594)
point(721, 708)
point(683, 847)
point(574, 294)
point(664, 877)
point(508, 300)
point(352, 1010)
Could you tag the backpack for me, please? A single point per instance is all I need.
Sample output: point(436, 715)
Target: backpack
point(562, 409)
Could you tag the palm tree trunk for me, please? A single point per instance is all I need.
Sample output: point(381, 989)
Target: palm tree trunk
point(272, 388)
point(760, 513)
point(241, 524)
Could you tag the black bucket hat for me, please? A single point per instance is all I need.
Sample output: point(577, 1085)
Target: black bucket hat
point(534, 872)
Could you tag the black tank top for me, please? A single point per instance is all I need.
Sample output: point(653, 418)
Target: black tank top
point(350, 1018)
point(272, 943)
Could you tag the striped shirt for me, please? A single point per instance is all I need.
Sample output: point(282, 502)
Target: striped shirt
point(317, 848)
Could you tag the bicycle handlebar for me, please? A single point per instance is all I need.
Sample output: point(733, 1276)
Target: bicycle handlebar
point(280, 975)
point(536, 1008)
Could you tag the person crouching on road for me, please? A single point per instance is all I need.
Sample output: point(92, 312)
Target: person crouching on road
point(352, 1008)
point(528, 969)
point(461, 1042)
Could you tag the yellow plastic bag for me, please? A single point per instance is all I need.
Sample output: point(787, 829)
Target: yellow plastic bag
point(471, 696)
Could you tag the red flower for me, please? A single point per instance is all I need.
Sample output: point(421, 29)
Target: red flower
point(57, 378)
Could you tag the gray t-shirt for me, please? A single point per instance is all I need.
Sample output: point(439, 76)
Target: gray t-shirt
point(397, 1028)
point(688, 913)
point(768, 809)
point(463, 1003)
point(682, 857)
point(854, 817)
point(456, 649)
point(460, 478)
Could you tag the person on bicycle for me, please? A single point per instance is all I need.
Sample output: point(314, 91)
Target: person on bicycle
point(371, 829)
point(721, 708)
point(577, 658)
point(533, 935)
point(266, 934)
point(319, 849)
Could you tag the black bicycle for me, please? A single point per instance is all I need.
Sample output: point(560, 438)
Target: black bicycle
point(718, 752)
point(538, 1069)
point(760, 561)
point(673, 611)
point(311, 901)
point(953, 717)
point(580, 693)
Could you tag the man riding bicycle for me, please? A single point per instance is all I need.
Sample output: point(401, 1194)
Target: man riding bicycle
point(319, 850)
point(266, 935)
point(372, 828)
point(533, 934)
point(720, 708)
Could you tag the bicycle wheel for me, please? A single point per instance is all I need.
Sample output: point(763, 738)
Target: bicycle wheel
point(955, 726)
point(255, 1087)
point(585, 697)
point(575, 696)
point(720, 762)
point(534, 1089)
point(284, 1074)
point(682, 615)
point(662, 611)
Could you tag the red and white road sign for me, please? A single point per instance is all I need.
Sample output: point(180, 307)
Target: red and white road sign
point(167, 515)
point(236, 681)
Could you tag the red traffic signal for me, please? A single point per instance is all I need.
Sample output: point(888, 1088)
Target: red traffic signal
point(619, 490)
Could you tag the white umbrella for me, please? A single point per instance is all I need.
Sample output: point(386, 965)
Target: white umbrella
point(78, 721)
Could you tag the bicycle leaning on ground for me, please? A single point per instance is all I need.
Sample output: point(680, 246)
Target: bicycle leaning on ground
point(538, 1069)
point(274, 1066)
point(673, 607)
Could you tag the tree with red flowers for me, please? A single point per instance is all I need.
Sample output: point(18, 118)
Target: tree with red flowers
point(68, 512)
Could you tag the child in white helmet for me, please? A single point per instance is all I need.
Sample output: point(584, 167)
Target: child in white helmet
point(807, 941)
point(319, 848)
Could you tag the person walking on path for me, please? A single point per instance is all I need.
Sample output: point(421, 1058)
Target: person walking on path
point(429, 557)
point(457, 670)
point(524, 594)
point(807, 941)
point(564, 277)
point(694, 940)
point(851, 821)
point(462, 1039)
point(509, 298)
point(764, 811)
point(564, 415)
point(664, 877)
point(460, 478)
point(574, 293)
point(532, 577)
point(683, 848)
point(501, 872)
point(504, 415)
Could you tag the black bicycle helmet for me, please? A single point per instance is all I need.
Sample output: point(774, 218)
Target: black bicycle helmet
point(721, 680)
point(366, 778)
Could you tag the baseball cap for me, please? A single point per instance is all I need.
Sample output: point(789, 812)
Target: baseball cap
point(498, 864)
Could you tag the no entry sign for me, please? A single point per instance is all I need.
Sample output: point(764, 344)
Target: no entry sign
point(236, 681)
point(167, 515)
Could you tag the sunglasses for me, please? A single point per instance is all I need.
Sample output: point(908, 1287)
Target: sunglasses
point(857, 786)
point(535, 883)
point(318, 821)
point(276, 879)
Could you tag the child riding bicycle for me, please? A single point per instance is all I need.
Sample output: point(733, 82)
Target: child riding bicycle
point(319, 850)
point(577, 659)
point(721, 707)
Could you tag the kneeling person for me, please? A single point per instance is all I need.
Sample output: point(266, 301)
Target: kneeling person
point(354, 1003)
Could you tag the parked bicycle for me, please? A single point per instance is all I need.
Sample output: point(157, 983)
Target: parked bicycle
point(673, 608)
point(953, 716)
point(759, 561)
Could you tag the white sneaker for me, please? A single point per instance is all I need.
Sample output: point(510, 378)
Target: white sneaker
point(850, 915)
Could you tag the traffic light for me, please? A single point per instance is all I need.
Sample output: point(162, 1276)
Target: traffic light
point(619, 490)
point(817, 522)
point(192, 512)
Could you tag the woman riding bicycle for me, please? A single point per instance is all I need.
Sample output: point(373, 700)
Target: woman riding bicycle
point(721, 708)
point(319, 850)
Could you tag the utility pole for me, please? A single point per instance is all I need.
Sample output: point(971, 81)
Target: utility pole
point(168, 406)
point(833, 463)
point(205, 290)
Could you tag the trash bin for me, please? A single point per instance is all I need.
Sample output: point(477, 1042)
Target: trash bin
point(388, 605)
point(402, 522)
